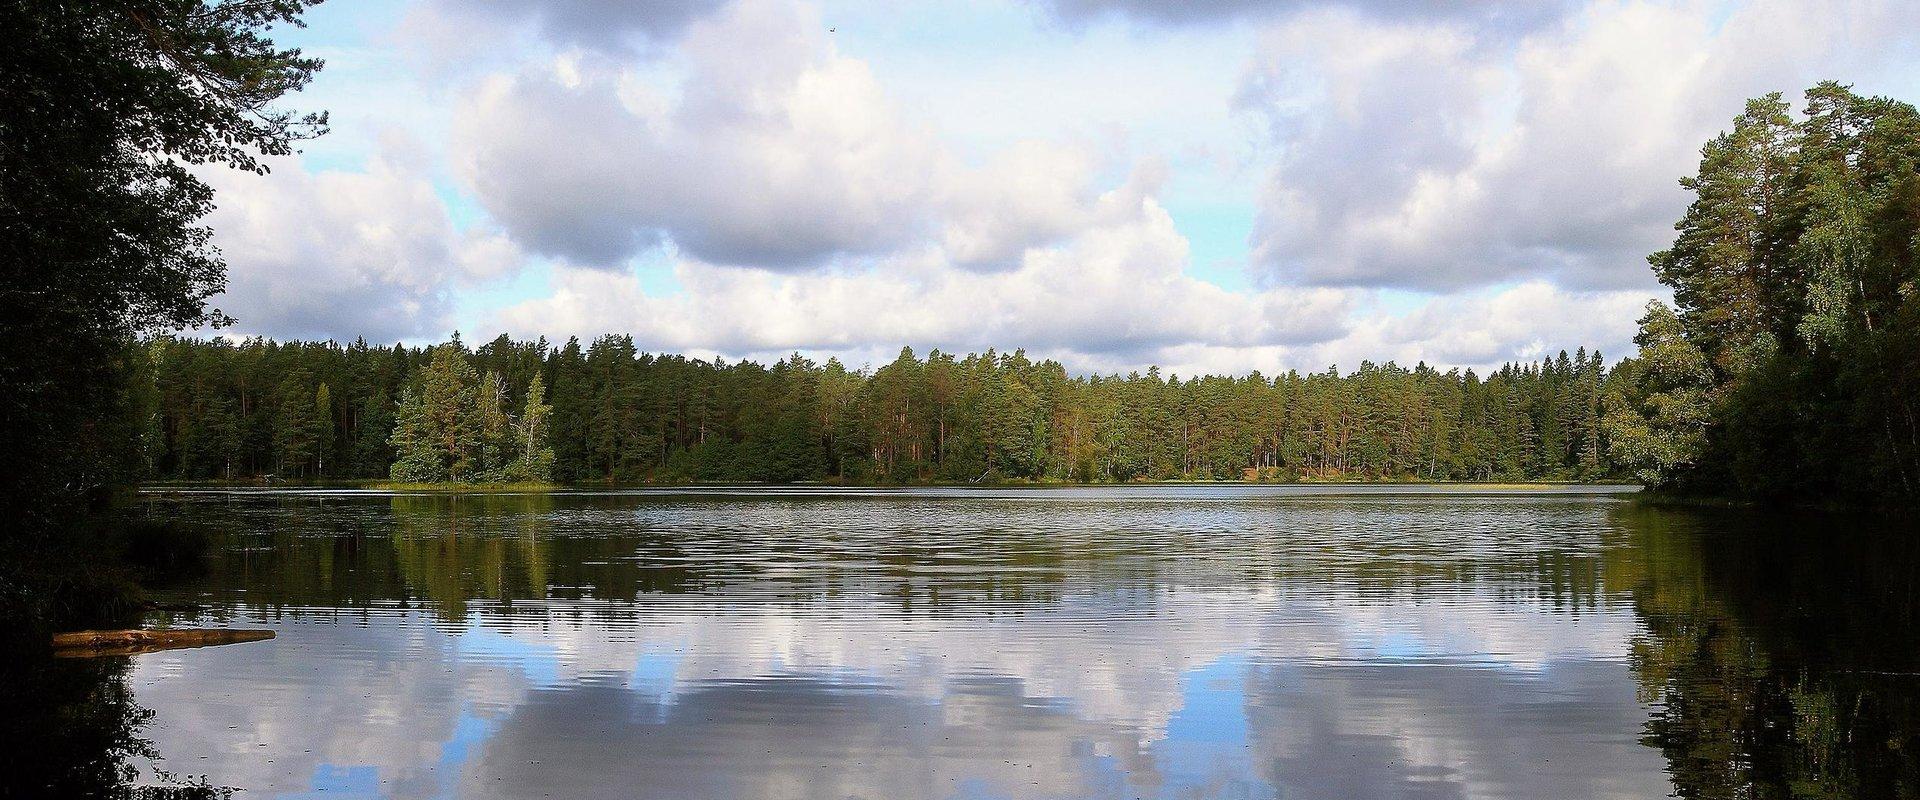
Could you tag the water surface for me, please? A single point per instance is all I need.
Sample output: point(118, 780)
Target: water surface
point(1152, 642)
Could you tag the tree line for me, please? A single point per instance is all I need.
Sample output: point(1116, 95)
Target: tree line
point(606, 412)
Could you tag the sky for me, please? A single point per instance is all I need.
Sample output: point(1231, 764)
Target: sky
point(1209, 186)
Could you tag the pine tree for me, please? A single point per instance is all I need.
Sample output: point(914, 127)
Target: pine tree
point(437, 435)
point(294, 433)
point(644, 417)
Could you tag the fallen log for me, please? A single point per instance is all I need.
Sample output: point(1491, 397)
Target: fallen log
point(91, 644)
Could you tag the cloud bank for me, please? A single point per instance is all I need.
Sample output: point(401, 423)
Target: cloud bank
point(1459, 183)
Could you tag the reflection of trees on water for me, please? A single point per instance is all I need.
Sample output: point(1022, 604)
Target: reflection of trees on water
point(1781, 651)
point(71, 728)
point(452, 548)
point(439, 551)
point(444, 552)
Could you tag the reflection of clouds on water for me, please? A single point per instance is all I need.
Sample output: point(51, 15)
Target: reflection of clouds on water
point(1451, 731)
point(314, 703)
point(1031, 645)
point(798, 737)
point(1200, 693)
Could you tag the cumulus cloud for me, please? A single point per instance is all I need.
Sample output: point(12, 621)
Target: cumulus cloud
point(1033, 194)
point(1484, 329)
point(778, 160)
point(1411, 93)
point(333, 253)
point(611, 25)
point(1510, 164)
point(805, 211)
point(1422, 155)
point(1116, 288)
point(1088, 305)
point(1491, 13)
point(1472, 329)
point(786, 161)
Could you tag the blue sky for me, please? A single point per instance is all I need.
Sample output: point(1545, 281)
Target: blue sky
point(1222, 186)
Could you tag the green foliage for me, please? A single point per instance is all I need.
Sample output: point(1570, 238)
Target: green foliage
point(533, 460)
point(296, 428)
point(437, 436)
point(1792, 364)
point(102, 108)
point(453, 427)
point(320, 421)
point(616, 415)
point(412, 444)
point(1657, 421)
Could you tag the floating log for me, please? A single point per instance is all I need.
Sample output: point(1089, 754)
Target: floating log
point(89, 644)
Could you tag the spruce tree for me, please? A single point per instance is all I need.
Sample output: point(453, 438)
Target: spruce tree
point(414, 458)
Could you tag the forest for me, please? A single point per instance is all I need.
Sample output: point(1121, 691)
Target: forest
point(607, 413)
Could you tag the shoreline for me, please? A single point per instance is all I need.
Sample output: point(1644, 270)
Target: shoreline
point(159, 487)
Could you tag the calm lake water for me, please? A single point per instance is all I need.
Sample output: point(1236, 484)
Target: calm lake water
point(1152, 642)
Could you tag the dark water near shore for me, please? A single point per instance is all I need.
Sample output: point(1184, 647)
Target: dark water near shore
point(1164, 642)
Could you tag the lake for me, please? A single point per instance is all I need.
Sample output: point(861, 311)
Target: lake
point(1153, 642)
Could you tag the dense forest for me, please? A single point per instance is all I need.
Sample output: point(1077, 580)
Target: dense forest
point(605, 412)
point(1790, 367)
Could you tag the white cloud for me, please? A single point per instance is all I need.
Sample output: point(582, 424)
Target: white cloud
point(790, 160)
point(1363, 116)
point(1115, 289)
point(1032, 194)
point(1484, 329)
point(1489, 13)
point(849, 193)
point(332, 253)
point(1477, 329)
point(780, 160)
point(1436, 156)
point(1109, 299)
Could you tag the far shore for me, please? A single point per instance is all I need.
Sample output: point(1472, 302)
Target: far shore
point(539, 488)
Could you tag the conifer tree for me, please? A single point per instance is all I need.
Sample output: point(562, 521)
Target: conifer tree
point(633, 416)
point(294, 432)
point(437, 435)
point(372, 432)
point(412, 443)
